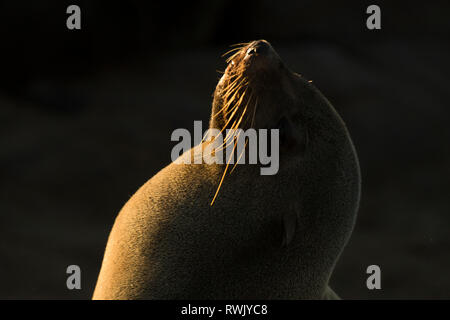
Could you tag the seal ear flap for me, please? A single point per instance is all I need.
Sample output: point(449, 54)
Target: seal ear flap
point(290, 219)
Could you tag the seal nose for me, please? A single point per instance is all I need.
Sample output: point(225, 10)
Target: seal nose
point(260, 56)
point(260, 47)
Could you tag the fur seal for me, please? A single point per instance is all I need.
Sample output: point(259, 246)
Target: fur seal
point(265, 237)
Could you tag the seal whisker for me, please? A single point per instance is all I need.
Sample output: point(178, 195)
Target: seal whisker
point(251, 126)
point(240, 156)
point(224, 173)
point(236, 107)
point(237, 104)
point(232, 93)
point(226, 142)
point(241, 44)
point(234, 55)
point(236, 83)
point(235, 141)
point(228, 103)
point(235, 124)
point(232, 50)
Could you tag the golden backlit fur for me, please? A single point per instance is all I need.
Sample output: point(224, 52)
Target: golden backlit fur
point(260, 237)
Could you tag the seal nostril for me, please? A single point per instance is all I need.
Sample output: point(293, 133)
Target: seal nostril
point(251, 51)
point(258, 48)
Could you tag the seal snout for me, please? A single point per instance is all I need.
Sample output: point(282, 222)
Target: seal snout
point(259, 47)
point(260, 55)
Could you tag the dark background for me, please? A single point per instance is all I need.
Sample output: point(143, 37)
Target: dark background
point(86, 118)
